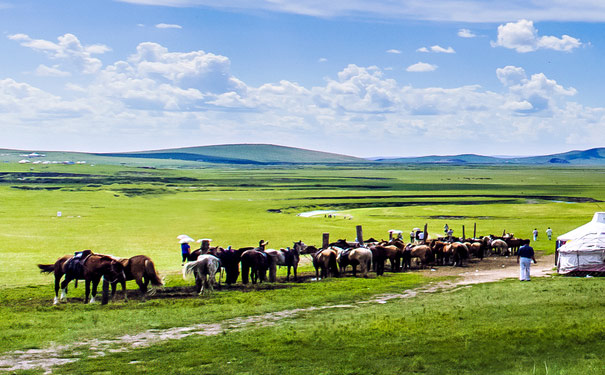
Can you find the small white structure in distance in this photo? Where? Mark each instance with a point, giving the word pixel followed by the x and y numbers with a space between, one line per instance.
pixel 583 249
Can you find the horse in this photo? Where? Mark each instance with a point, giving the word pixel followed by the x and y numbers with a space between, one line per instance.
pixel 500 246
pixel 513 245
pixel 344 244
pixel 361 256
pixel 422 252
pixel 204 269
pixel 141 269
pixel 437 249
pixel 456 251
pixel 230 260
pixel 92 268
pixel 325 260
pixel 475 248
pixel 284 257
pixel 255 264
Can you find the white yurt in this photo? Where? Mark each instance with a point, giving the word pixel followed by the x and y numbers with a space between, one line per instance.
pixel 583 249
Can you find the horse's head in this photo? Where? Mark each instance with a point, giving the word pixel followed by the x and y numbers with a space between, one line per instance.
pixel 114 271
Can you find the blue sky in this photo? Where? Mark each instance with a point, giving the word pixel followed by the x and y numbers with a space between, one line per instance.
pixel 364 78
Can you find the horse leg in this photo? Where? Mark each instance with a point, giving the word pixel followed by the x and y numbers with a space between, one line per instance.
pixel 95 284
pixel 354 270
pixel 198 284
pixel 295 267
pixel 57 282
pixel 86 290
pixel 288 275
pixel 64 288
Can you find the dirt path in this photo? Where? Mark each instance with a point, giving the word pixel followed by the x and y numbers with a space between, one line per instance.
pixel 488 270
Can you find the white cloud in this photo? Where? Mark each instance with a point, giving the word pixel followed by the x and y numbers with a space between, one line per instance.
pixel 394 51
pixel 168 26
pixel 523 37
pixel 472 11
pixel 54 71
pixel 436 49
pixel 322 60
pixel 510 75
pixel 421 67
pixel 466 33
pixel 157 98
pixel 536 94
pixel 68 49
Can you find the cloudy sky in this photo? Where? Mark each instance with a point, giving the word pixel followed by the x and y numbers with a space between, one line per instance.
pixel 359 77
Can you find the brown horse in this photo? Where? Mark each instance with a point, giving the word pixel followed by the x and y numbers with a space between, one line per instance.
pixel 91 268
pixel 422 252
pixel 457 252
pixel 141 269
pixel 361 256
pixel 325 260
pixel 255 264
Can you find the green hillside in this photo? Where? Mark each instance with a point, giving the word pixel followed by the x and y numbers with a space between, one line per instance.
pixel 241 154
pixel 246 154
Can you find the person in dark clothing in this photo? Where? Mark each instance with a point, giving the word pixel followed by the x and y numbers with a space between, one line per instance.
pixel 185 251
pixel 524 259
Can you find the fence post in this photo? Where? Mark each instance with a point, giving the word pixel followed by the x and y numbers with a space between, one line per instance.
pixel 475 231
pixel 359 234
pixel 463 234
pixel 325 240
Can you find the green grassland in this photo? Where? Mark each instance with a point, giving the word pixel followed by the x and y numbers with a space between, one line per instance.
pixel 127 211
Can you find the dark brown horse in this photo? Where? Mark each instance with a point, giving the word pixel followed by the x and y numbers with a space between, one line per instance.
pixel 255 264
pixel 141 269
pixel 90 268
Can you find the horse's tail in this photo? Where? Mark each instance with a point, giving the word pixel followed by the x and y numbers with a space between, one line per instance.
pixel 333 264
pixel 245 270
pixel 188 268
pixel 152 274
pixel 46 268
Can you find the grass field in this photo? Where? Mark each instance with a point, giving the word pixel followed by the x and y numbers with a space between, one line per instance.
pixel 128 211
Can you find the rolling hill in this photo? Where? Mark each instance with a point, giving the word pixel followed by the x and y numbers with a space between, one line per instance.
pixel 594 156
pixel 235 154
pixel 266 154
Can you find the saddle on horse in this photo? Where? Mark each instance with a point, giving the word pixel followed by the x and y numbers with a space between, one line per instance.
pixel 75 265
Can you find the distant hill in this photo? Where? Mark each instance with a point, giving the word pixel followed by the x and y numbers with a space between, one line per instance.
pixel 265 154
pixel 594 156
pixel 244 154
pixel 235 154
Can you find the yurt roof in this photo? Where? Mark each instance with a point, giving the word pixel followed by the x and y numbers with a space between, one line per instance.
pixel 595 227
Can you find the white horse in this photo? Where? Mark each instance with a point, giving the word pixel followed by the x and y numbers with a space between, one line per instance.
pixel 204 269
pixel 501 246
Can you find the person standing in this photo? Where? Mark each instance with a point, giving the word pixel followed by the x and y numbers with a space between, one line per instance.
pixel 445 228
pixel 524 258
pixel 535 234
pixel 185 251
pixel 549 233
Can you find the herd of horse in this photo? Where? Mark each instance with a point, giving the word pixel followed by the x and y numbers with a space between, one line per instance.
pixel 255 262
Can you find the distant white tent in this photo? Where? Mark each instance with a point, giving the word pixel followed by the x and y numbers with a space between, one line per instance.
pixel 583 248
